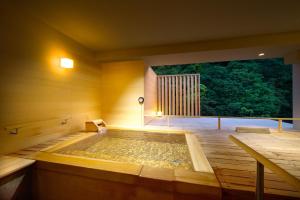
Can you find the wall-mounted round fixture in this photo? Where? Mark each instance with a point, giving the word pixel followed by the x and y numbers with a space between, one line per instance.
pixel 141 100
pixel 261 54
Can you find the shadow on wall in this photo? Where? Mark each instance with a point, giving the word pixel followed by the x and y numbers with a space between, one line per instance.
pixel 122 83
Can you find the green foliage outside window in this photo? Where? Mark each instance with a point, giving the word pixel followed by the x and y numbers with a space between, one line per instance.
pixel 250 88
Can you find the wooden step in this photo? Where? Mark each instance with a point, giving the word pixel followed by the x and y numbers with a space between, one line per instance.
pixel 252 130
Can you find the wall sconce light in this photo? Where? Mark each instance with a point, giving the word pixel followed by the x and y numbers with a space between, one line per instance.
pixel 66 63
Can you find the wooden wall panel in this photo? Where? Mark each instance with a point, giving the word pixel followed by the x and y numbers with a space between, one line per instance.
pixel 180 94
pixel 151 94
pixel 41 99
pixel 122 83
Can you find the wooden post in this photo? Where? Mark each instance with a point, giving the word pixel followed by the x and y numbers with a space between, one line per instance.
pixel 180 95
pixel 159 103
pixel 196 95
pixel 173 96
pixel 219 123
pixel 279 125
pixel 259 181
pixel 166 96
pixel 184 96
pixel 199 95
pixel 177 95
pixel 188 94
pixel 170 95
pixel 192 92
pixel 163 105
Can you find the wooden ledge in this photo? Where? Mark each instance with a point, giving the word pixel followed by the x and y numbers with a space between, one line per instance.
pixel 197 183
pixel 199 159
pixel 10 165
pixel 63 144
pixel 154 130
pixel 252 130
pixel 93 168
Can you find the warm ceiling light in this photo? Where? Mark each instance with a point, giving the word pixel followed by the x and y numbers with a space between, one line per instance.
pixel 261 54
pixel 66 63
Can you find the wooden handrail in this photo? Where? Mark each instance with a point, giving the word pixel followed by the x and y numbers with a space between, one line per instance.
pixel 280 128
pixel 15 128
pixel 271 118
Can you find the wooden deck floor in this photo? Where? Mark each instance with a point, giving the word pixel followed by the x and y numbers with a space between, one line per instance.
pixel 236 170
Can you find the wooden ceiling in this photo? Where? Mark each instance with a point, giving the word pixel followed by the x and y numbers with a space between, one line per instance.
pixel 103 25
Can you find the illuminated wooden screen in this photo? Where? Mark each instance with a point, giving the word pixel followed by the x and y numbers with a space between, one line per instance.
pixel 179 94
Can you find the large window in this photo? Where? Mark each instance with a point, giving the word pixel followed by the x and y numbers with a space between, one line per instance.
pixel 258 88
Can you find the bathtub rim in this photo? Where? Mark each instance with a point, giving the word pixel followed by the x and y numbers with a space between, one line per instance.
pixel 128 172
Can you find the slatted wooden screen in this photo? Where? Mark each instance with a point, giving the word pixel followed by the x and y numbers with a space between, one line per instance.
pixel 179 94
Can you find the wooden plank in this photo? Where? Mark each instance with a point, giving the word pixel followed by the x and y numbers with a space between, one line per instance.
pixel 180 96
pixel 268 163
pixel 210 187
pixel 166 96
pixel 232 165
pixel 199 159
pixel 252 130
pixel 173 96
pixel 199 108
pixel 188 96
pixel 170 95
pixel 10 165
pixel 177 96
pixel 192 96
pixel 62 144
pixel 105 165
pixel 196 95
pixel 159 94
pixel 163 95
pixel 184 96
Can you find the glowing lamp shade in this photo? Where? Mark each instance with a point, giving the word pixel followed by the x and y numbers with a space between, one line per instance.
pixel 66 63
